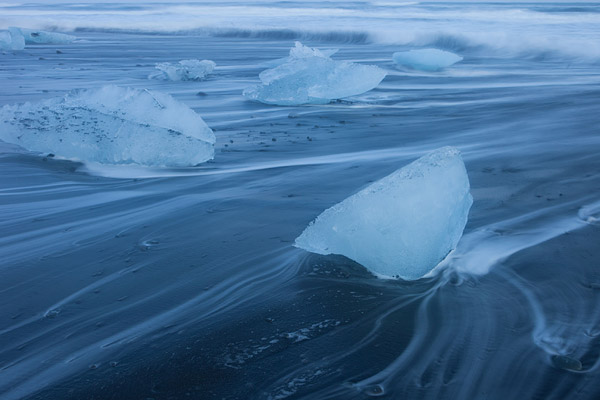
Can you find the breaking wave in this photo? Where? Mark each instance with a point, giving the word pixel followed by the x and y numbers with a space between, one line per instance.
pixel 538 33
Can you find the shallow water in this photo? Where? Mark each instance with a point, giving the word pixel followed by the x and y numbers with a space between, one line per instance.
pixel 122 282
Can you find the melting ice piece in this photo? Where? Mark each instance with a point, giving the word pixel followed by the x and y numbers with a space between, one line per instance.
pixel 111 125
pixel 17 38
pixel 32 36
pixel 310 76
pixel 12 39
pixel 184 70
pixel 426 59
pixel 402 225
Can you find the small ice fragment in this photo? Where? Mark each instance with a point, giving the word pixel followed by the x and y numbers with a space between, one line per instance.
pixel 12 39
pixel 184 70
pixel 310 76
pixel 403 225
pixel 42 37
pixel 111 125
pixel 426 59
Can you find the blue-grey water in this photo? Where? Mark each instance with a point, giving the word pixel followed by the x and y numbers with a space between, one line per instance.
pixel 138 283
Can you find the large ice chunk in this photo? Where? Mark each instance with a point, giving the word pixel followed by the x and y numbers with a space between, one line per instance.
pixel 184 70
pixel 16 38
pixel 402 225
pixel 12 39
pixel 310 76
pixel 426 59
pixel 111 125
pixel 32 36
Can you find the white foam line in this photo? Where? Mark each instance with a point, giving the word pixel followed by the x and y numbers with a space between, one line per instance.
pixel 479 251
pixel 122 171
pixel 244 288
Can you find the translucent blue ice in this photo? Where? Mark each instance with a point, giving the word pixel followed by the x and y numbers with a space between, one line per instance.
pixel 426 59
pixel 111 125
pixel 12 39
pixel 402 225
pixel 309 76
pixel 16 38
pixel 32 36
pixel 184 70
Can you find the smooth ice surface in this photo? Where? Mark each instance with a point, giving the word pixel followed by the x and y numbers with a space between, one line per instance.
pixel 184 70
pixel 32 36
pixel 111 125
pixel 310 76
pixel 12 39
pixel 426 59
pixel 402 225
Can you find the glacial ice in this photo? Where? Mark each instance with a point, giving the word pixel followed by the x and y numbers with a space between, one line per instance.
pixel 12 39
pixel 404 224
pixel 310 76
pixel 184 70
pixel 16 38
pixel 426 59
pixel 32 36
pixel 111 125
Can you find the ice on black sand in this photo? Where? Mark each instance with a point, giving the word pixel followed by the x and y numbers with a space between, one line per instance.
pixel 402 225
pixel 309 76
pixel 111 125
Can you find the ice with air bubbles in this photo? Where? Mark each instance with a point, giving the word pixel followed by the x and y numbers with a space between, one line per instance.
pixel 111 125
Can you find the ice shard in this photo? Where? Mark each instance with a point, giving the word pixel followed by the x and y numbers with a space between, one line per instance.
pixel 309 76
pixel 404 224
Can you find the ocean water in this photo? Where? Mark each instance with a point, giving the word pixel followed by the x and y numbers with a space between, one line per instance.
pixel 157 283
